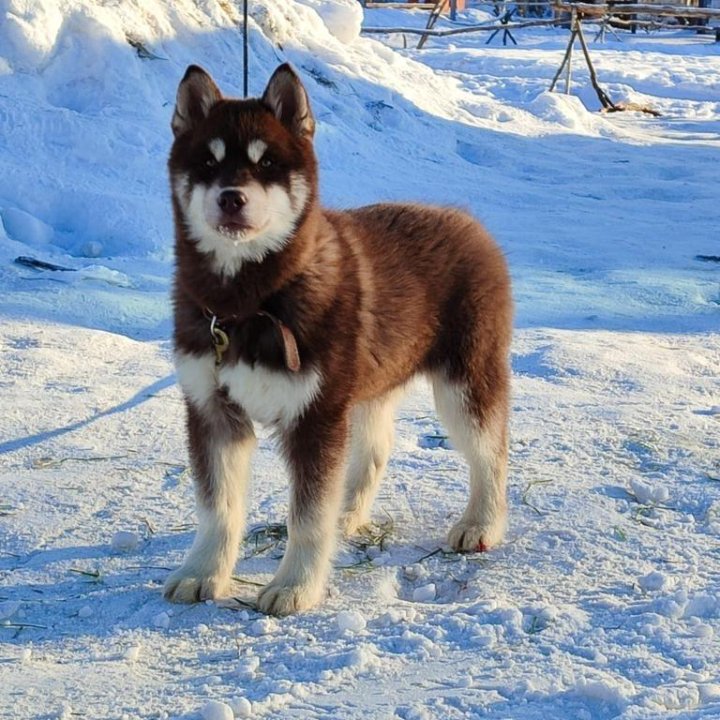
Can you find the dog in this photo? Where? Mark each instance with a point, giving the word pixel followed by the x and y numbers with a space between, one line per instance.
pixel 312 321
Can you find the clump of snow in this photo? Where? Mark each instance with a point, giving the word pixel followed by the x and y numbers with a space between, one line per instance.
pixel 343 18
pixel 242 708
pixel 362 657
pixel 565 110
pixel 702 630
pixel 91 249
pixel 161 620
pixel 264 626
pixel 124 541
pixel 484 636
pixel 85 612
pixel 247 667
pixel 350 620
pixel 416 571
pixel 25 655
pixel 678 697
pixel 395 616
pixel 119 279
pixel 606 690
pixel 216 710
pixel 702 605
pixel 425 593
pixel 649 494
pixel 653 581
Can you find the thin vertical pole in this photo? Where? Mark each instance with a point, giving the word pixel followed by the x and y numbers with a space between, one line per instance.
pixel 573 25
pixel 245 48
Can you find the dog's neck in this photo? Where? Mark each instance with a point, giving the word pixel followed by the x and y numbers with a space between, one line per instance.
pixel 242 294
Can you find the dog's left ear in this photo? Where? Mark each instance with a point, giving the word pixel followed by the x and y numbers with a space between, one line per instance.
pixel 196 95
pixel 286 97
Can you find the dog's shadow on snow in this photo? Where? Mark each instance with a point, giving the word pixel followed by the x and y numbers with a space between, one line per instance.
pixel 140 397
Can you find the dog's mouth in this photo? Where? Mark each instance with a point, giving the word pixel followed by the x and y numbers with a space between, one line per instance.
pixel 238 230
pixel 233 227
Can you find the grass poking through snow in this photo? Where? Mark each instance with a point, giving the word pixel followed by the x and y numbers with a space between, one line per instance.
pixel 527 490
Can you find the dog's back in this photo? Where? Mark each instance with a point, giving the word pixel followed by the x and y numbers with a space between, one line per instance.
pixel 433 291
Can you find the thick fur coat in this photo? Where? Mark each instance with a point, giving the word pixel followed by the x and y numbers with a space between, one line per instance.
pixel 312 321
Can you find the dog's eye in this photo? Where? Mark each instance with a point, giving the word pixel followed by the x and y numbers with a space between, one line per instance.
pixel 211 162
pixel 266 162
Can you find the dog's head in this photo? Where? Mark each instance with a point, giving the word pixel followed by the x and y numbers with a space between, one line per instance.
pixel 242 172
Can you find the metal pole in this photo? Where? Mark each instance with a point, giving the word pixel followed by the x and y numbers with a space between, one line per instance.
pixel 245 48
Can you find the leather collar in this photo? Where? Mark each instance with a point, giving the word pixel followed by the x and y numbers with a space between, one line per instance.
pixel 221 341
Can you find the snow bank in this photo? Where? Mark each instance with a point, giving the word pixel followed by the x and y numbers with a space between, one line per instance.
pixel 343 18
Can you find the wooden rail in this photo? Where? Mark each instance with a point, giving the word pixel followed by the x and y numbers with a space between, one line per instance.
pixel 638 9
pixel 400 5
pixel 458 31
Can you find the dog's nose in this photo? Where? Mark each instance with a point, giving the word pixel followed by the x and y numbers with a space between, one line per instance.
pixel 232 201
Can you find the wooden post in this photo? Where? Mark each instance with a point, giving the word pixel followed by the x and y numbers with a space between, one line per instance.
pixel 573 25
pixel 568 51
pixel 605 101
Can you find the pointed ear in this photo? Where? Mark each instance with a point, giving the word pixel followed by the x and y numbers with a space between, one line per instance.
pixel 286 97
pixel 196 94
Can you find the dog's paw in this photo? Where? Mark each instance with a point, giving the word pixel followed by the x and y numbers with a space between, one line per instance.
pixel 468 536
pixel 352 523
pixel 278 599
pixel 186 586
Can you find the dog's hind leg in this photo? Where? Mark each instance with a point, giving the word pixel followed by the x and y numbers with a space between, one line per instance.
pixel 220 451
pixel 478 429
pixel 371 442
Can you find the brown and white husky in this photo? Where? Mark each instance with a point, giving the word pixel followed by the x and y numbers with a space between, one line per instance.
pixel 311 321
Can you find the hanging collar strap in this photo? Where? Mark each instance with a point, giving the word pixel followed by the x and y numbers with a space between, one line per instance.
pixel 221 340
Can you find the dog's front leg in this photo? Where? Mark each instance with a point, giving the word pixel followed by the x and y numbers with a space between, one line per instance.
pixel 315 450
pixel 220 445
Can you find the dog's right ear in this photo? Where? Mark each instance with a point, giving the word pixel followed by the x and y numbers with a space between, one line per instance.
pixel 196 94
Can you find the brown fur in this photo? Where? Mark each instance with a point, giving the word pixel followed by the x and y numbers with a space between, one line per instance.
pixel 373 296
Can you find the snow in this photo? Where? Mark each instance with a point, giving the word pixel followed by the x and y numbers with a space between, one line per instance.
pixel 351 621
pixel 124 541
pixel 216 710
pixel 424 593
pixel 242 708
pixel 604 601
pixel 653 581
pixel 162 620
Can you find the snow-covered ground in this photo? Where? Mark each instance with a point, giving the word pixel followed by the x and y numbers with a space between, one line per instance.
pixel 605 600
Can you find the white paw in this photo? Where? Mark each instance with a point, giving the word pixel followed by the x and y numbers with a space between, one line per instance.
pixel 188 586
pixel 278 599
pixel 351 523
pixel 469 536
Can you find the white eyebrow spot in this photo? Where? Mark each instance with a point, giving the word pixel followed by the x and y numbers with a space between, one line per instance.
pixel 255 150
pixel 217 148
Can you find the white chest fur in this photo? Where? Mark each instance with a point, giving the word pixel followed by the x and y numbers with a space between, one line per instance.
pixel 267 396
